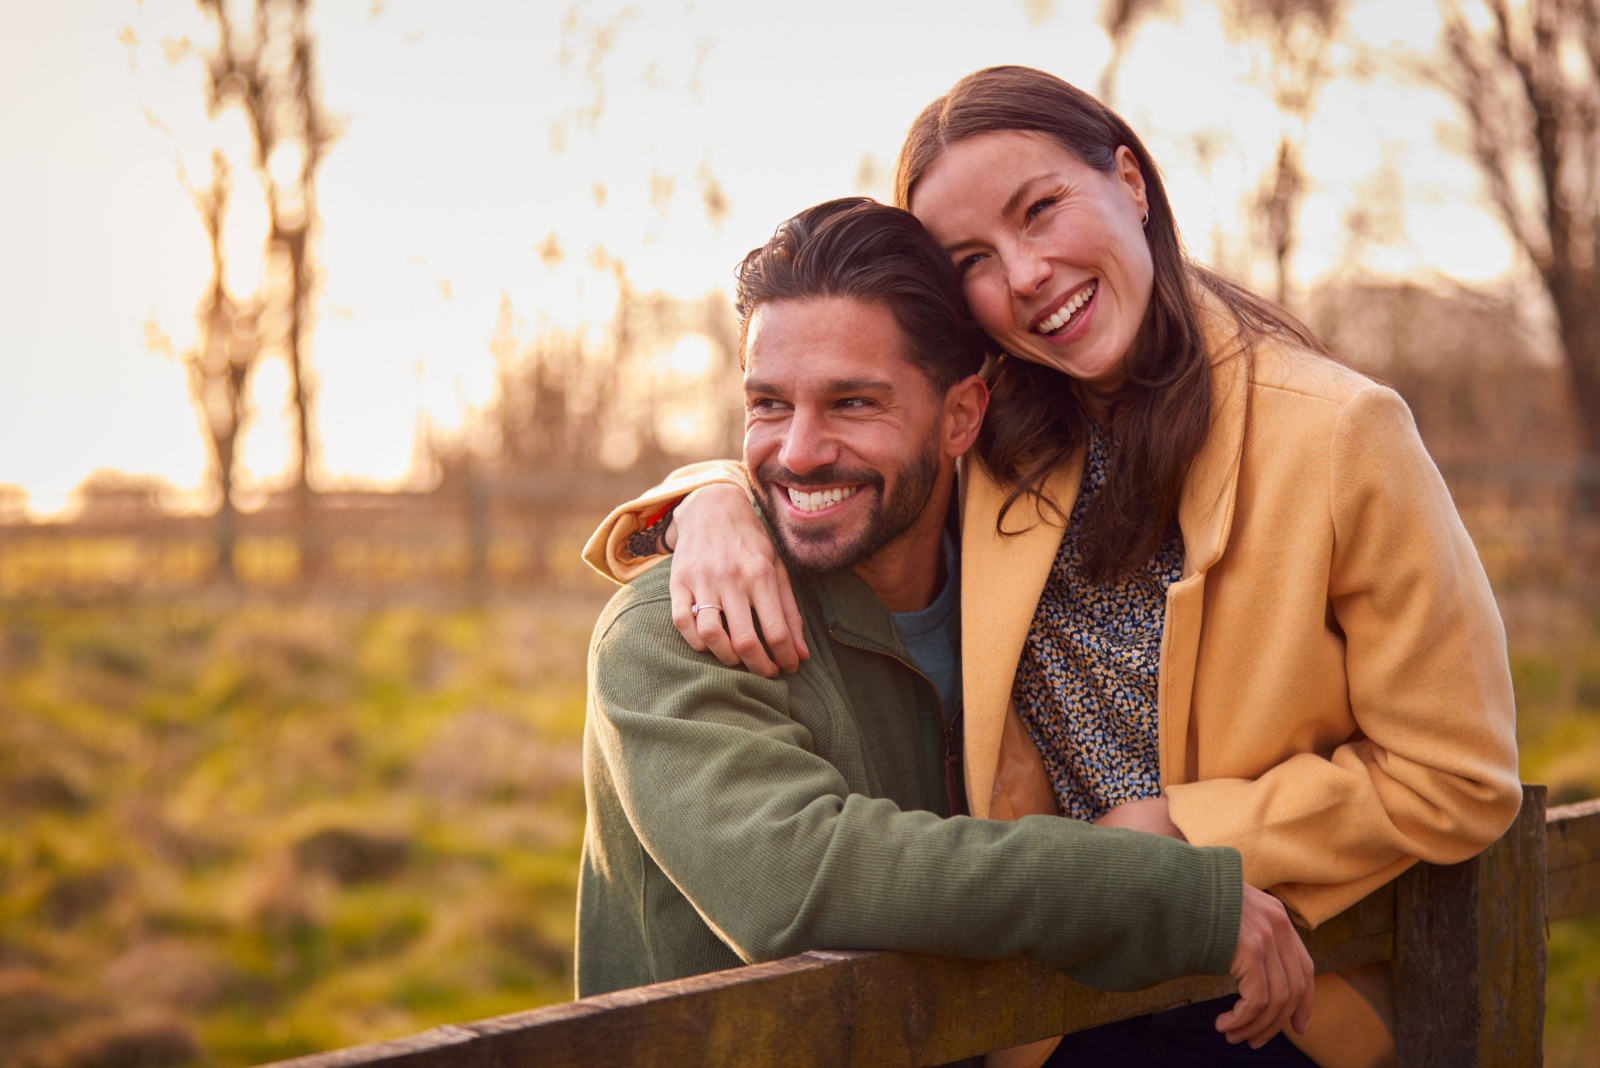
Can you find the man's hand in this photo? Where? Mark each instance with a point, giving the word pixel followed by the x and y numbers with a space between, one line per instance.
pixel 1149 814
pixel 1274 973
pixel 724 560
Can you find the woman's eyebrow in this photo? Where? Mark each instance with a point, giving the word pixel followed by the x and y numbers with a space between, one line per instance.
pixel 1015 201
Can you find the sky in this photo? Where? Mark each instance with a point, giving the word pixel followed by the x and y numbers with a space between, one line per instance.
pixel 474 137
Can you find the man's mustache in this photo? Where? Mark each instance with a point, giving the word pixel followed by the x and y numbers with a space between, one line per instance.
pixel 832 475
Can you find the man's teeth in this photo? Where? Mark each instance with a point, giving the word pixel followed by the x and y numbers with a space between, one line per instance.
pixel 1068 310
pixel 810 502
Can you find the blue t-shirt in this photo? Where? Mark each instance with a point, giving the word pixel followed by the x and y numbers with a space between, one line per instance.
pixel 926 633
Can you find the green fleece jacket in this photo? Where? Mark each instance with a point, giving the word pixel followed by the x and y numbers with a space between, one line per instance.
pixel 735 819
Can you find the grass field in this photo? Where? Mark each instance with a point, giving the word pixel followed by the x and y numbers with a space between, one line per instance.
pixel 240 832
pixel 236 831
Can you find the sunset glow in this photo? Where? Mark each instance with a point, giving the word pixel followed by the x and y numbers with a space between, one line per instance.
pixel 523 151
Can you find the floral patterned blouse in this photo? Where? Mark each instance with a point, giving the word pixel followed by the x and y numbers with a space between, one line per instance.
pixel 1086 684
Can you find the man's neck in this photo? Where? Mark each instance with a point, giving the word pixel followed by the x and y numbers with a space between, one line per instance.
pixel 909 572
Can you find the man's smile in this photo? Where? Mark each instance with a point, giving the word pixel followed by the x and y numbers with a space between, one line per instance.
pixel 818 500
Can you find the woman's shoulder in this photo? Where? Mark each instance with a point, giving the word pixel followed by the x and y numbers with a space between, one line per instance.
pixel 1284 367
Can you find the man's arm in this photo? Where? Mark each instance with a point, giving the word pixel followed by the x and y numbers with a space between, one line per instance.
pixel 766 840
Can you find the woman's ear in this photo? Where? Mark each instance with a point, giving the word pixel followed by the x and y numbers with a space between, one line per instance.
pixel 964 405
pixel 1131 176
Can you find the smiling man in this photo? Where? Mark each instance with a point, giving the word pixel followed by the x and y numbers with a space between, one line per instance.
pixel 735 818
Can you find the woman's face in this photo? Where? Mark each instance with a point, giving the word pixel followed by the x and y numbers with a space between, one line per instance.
pixel 1052 252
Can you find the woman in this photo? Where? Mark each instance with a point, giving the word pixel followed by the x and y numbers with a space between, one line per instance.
pixel 1212 585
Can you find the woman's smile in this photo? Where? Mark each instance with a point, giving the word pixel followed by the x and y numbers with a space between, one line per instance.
pixel 1073 310
pixel 1052 251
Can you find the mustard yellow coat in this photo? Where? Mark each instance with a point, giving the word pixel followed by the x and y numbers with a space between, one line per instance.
pixel 1334 695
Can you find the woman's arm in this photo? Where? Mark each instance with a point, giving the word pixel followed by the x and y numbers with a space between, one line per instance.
pixel 724 564
pixel 1431 771
pixel 607 552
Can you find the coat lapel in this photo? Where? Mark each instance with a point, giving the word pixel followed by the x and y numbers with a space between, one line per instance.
pixel 1205 515
pixel 1002 577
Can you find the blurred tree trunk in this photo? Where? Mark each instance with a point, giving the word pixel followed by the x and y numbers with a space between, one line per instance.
pixel 1298 35
pixel 266 68
pixel 219 368
pixel 1527 78
pixel 1120 18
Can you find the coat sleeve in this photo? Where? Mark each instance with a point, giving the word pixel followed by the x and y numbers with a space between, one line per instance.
pixel 727 795
pixel 606 549
pixel 1431 772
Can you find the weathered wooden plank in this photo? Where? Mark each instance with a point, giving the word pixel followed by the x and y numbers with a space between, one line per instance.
pixel 1574 860
pixel 1361 934
pixel 827 1009
pixel 1469 952
pixel 1470 984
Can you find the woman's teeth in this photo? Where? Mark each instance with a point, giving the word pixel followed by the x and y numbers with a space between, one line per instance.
pixel 811 502
pixel 1068 310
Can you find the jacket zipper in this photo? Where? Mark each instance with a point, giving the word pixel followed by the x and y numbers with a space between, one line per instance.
pixel 955 782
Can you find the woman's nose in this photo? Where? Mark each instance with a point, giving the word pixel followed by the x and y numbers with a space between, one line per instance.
pixel 1027 269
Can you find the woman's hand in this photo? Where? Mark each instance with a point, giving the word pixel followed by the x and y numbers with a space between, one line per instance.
pixel 723 557
pixel 1147 814
pixel 1273 970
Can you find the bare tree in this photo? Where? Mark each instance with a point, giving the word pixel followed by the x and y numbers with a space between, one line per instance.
pixel 1120 18
pixel 264 65
pixel 1527 79
pixel 219 366
pixel 1299 35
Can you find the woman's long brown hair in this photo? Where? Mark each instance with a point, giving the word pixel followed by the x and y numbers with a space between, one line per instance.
pixel 1159 417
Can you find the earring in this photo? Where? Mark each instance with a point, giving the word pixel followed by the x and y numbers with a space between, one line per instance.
pixel 1146 221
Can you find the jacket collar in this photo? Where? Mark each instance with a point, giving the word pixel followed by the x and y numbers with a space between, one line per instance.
pixel 1205 509
pixel 1003 576
pixel 850 607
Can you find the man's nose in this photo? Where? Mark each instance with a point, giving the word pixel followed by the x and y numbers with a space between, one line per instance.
pixel 808 444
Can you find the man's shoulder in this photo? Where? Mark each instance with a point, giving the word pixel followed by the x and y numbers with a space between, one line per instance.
pixel 644 604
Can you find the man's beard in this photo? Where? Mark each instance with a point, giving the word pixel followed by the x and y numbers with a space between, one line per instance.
pixel 825 548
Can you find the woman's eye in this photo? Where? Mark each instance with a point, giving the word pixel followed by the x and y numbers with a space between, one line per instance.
pixel 967 263
pixel 1039 207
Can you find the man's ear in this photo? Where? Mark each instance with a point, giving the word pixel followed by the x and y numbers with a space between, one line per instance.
pixel 964 405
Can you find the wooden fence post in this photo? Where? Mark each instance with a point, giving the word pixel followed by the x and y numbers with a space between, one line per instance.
pixel 1469 952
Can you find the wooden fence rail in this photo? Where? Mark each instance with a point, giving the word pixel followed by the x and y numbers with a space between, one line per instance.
pixel 1467 941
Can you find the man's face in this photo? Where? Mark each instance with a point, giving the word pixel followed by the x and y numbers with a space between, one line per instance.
pixel 841 431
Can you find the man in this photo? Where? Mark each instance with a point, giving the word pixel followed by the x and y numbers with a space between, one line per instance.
pixel 735 818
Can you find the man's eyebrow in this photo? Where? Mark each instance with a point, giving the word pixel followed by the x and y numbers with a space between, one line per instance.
pixel 835 386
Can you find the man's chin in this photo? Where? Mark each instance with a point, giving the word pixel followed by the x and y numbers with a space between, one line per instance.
pixel 818 550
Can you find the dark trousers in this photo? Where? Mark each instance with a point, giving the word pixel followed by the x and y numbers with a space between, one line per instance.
pixel 1178 1038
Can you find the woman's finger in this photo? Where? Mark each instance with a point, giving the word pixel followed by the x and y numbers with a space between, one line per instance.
pixel 682 615
pixel 791 612
pixel 778 627
pixel 708 619
pixel 739 618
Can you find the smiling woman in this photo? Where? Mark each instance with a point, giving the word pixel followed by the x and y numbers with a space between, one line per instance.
pixel 1212 585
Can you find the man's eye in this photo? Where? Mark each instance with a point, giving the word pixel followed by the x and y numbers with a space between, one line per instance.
pixel 764 404
pixel 856 403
